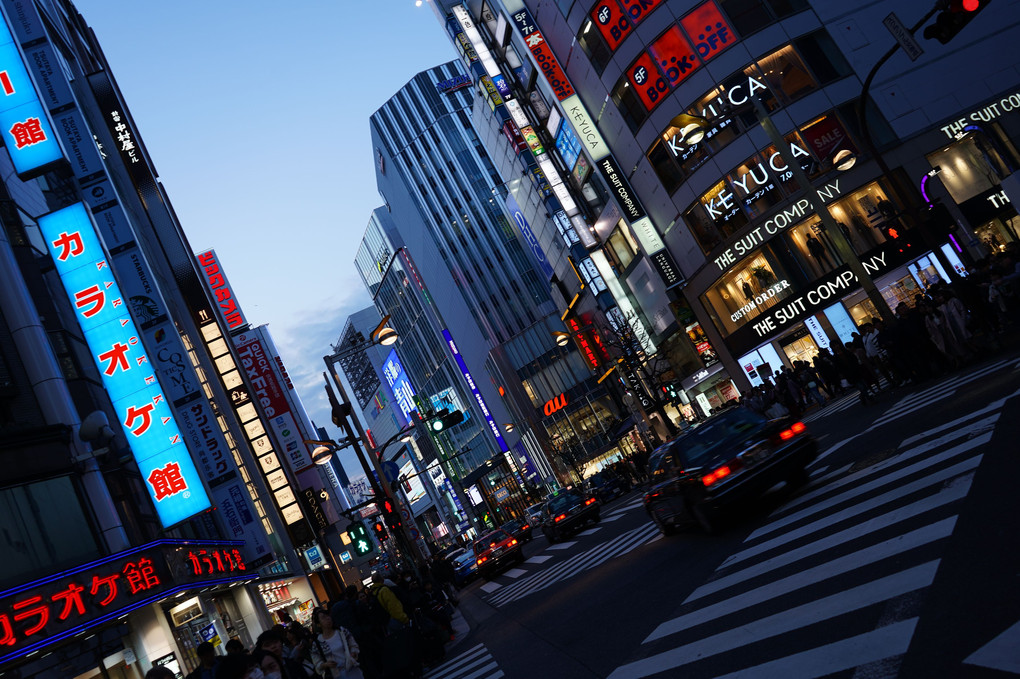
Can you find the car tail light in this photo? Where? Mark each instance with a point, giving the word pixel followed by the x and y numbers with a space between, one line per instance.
pixel 559 518
pixel 795 428
pixel 526 526
pixel 513 542
pixel 721 472
pixel 589 501
pixel 482 560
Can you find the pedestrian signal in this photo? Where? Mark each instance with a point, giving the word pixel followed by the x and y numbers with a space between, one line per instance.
pixel 358 535
pixel 380 531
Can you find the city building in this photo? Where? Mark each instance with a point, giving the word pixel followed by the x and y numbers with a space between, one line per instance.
pixel 663 95
pixel 136 521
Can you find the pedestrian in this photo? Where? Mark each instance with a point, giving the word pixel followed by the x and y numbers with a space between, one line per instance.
pixel 160 672
pixel 272 640
pixel 240 666
pixel 270 663
pixel 207 662
pixel 235 647
pixel 381 590
pixel 335 651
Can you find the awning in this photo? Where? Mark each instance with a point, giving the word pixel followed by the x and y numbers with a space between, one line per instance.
pixel 483 469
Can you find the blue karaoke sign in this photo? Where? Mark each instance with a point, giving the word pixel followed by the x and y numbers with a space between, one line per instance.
pixel 128 377
pixel 474 389
pixel 24 127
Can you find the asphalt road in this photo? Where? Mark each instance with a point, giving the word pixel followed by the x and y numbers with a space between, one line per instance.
pixel 901 558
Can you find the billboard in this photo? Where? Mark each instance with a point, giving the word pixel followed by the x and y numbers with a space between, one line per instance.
pixel 399 384
pixel 474 389
pixel 127 373
pixel 219 287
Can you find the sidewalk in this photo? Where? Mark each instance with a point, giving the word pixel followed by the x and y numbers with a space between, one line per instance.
pixel 461 629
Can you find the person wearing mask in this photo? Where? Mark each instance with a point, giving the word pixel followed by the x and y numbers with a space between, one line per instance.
pixel 270 664
pixel 207 662
pixel 334 651
pixel 273 641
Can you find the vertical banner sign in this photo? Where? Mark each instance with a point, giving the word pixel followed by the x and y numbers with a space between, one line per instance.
pixel 193 413
pixel 529 237
pixel 219 287
pixel 114 342
pixel 257 362
pixel 24 127
pixel 543 54
pixel 474 389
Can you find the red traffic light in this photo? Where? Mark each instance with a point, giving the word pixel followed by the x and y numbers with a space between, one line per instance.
pixel 967 5
pixel 387 507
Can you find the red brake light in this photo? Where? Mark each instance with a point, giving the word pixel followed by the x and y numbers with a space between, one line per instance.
pixel 560 518
pixel 589 501
pixel 482 560
pixel 798 427
pixel 795 428
pixel 714 476
pixel 526 526
pixel 513 542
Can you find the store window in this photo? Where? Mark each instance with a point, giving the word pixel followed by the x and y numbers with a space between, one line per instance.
pixel 674 56
pixel 629 103
pixel 971 166
pixel 715 216
pixel 754 186
pixel 759 283
pixel 785 72
pixel 823 57
pixel 623 247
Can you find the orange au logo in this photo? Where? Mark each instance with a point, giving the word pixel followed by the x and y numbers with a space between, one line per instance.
pixel 552 405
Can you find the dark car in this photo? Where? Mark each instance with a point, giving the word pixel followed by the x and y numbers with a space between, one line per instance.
pixel 568 511
pixel 496 551
pixel 607 485
pixel 464 567
pixel 732 457
pixel 519 529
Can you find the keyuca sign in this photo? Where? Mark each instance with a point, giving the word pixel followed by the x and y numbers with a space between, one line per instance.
pixel 555 404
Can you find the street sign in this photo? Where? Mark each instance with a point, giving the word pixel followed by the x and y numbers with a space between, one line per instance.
pixel 414 533
pixel 501 494
pixel 405 513
pixel 903 36
pixel 390 471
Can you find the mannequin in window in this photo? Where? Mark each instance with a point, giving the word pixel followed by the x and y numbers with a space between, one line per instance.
pixel 863 230
pixel 818 251
pixel 746 288
pixel 846 234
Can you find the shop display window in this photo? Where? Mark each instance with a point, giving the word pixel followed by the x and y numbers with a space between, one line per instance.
pixel 785 72
pixel 969 166
pixel 811 241
pixel 623 246
pixel 803 348
pixel 996 233
pixel 758 284
pixel 716 216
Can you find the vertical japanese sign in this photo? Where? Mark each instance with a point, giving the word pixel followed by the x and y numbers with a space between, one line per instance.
pixel 474 389
pixel 399 384
pixel 128 376
pixel 219 287
pixel 173 364
pixel 24 127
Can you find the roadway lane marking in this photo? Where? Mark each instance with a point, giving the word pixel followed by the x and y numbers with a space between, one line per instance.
pixel 879 644
pixel 811 613
pixel 490 587
pixel 476 663
pixel 540 558
pixel 590 531
pixel 562 545
pixel 955 424
pixel 609 519
pixel 952 494
pixel 1000 653
pixel 881 466
pixel 878 482
pixel 830 569
pixel 515 573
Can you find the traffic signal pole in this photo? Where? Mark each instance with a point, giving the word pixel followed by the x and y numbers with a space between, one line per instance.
pixel 343 416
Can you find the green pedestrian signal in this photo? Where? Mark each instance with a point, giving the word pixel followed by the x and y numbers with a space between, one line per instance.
pixel 358 535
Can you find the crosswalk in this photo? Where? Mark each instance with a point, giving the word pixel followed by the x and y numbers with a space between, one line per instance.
pixel 476 663
pixel 916 400
pixel 834 581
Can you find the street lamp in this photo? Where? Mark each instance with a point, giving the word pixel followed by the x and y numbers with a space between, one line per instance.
pixel 562 338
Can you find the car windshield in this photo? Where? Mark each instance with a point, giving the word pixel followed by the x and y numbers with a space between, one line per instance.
pixel 727 428
pixel 511 526
pixel 564 501
pixel 489 541
pixel 464 558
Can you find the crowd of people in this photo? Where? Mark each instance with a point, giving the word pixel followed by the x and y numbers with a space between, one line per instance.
pixel 948 326
pixel 388 630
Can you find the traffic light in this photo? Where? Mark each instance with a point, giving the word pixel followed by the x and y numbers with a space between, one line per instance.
pixel 338 411
pixel 358 535
pixel 380 531
pixel 390 514
pixel 447 420
pixel 951 20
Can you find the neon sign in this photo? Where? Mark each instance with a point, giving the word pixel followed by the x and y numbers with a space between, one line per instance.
pixel 128 377
pixel 47 610
pixel 555 404
pixel 24 127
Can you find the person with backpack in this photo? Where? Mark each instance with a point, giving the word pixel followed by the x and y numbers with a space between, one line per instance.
pixel 382 594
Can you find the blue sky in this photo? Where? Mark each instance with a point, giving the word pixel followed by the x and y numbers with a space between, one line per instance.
pixel 256 117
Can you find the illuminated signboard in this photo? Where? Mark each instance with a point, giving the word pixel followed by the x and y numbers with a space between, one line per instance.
pixel 529 237
pixel 24 127
pixel 400 384
pixel 568 145
pixel 216 280
pixel 47 610
pixel 543 54
pixel 555 404
pixel 454 83
pixel 708 30
pixel 114 342
pixel 474 389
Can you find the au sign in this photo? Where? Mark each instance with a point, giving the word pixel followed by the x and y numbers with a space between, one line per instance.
pixel 554 404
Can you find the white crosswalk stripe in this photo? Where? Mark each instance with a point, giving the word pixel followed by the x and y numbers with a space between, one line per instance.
pixel 947 387
pixel 859 543
pixel 589 558
pixel 833 407
pixel 476 663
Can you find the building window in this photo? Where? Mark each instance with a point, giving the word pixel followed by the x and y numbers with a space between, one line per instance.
pixel 629 104
pixel 823 57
